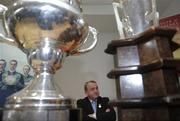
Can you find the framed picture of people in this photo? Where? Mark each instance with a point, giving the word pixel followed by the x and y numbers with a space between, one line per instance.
pixel 15 73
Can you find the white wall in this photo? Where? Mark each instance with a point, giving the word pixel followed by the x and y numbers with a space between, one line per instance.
pixel 91 66
pixel 9 52
pixel 172 9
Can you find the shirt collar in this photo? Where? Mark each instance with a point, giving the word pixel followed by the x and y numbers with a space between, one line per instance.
pixel 92 100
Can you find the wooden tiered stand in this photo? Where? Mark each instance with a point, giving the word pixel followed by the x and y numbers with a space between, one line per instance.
pixel 146 76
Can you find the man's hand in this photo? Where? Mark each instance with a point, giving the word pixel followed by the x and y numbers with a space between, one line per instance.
pixel 107 110
pixel 92 115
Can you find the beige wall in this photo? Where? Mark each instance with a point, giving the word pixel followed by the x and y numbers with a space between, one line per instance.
pixel 177 53
pixel 91 66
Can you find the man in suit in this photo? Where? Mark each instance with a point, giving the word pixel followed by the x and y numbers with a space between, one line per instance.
pixel 2 67
pixel 2 70
pixel 95 107
pixel 12 81
pixel 27 77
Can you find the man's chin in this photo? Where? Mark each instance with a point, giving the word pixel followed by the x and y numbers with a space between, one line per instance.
pixel 96 97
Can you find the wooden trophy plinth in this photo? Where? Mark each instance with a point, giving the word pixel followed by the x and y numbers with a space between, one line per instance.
pixel 146 77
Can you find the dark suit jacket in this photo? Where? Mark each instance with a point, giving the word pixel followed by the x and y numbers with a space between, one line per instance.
pixel 101 114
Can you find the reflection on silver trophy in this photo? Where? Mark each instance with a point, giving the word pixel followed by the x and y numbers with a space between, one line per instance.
pixel 135 16
pixel 47 31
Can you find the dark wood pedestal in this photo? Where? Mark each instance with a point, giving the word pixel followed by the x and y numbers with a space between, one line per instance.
pixel 146 77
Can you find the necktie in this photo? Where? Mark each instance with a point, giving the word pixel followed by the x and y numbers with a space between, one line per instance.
pixel 94 105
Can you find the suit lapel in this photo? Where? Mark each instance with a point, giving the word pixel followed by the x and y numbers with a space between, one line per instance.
pixel 99 105
pixel 89 106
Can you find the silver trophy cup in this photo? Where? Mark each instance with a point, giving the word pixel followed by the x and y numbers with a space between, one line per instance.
pixel 135 16
pixel 47 31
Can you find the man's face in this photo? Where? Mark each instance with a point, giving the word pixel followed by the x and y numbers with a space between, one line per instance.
pixel 92 91
pixel 2 65
pixel 26 70
pixel 13 66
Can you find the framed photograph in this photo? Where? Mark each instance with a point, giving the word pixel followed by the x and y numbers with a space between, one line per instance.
pixel 15 73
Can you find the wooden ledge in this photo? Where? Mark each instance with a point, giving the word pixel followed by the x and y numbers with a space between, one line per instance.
pixel 144 37
pixel 151 102
pixel 162 63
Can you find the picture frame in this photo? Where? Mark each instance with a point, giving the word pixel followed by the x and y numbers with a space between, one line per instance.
pixel 15 72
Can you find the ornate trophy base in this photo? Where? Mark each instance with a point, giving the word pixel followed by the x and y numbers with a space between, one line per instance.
pixel 42 100
pixel 42 115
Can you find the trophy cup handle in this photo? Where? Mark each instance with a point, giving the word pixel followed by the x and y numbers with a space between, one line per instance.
pixel 2 8
pixel 4 37
pixel 92 31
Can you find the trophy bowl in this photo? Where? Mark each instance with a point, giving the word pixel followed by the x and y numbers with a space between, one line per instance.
pixel 47 31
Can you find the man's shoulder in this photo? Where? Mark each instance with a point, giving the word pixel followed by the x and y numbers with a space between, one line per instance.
pixel 79 100
pixel 82 100
pixel 106 99
pixel 5 73
pixel 18 75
